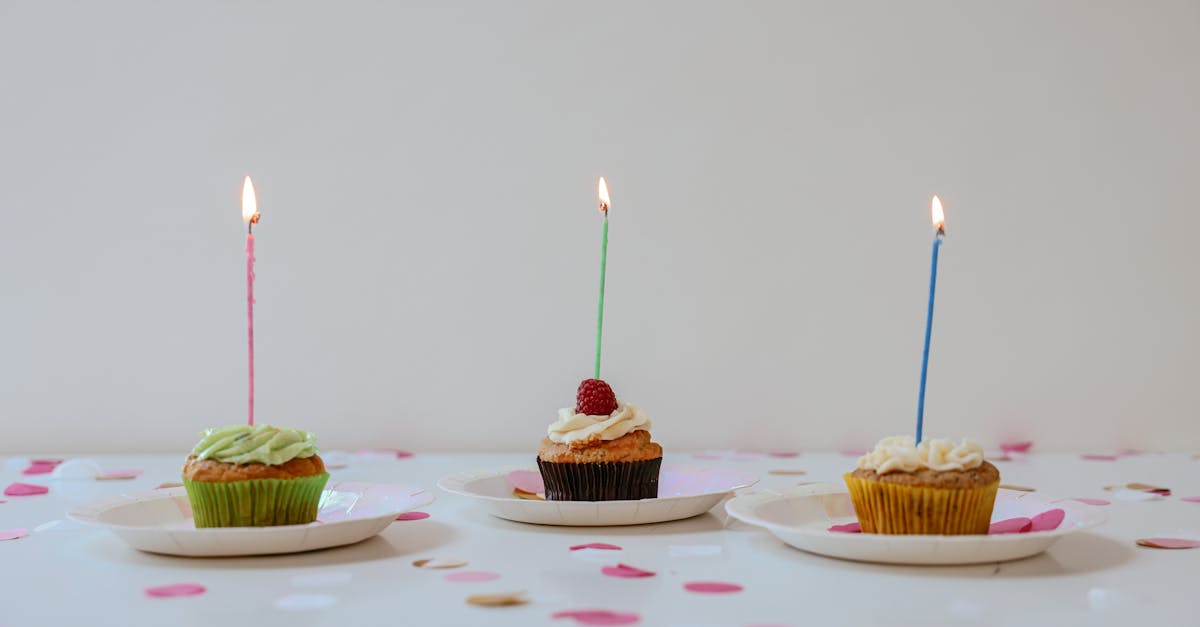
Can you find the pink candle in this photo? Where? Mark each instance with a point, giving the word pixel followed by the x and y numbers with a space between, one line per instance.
pixel 250 215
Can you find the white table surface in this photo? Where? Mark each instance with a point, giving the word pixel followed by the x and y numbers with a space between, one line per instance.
pixel 74 575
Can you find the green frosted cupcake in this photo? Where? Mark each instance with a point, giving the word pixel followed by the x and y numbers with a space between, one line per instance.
pixel 254 476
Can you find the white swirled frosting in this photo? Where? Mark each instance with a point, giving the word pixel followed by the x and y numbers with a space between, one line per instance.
pixel 574 427
pixel 902 454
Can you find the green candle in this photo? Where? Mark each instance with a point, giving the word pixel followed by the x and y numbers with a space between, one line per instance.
pixel 603 192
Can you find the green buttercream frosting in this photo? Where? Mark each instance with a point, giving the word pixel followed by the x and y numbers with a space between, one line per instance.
pixel 260 444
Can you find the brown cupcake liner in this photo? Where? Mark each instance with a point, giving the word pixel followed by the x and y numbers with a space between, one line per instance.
pixel 891 508
pixel 601 481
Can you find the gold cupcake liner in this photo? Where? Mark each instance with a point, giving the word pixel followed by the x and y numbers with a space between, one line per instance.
pixel 891 508
pixel 255 502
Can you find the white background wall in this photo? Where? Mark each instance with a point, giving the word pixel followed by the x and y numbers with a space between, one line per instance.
pixel 428 250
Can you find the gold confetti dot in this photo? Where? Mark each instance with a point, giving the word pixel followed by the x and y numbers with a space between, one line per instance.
pixel 501 599
pixel 1018 488
pixel 787 471
pixel 436 563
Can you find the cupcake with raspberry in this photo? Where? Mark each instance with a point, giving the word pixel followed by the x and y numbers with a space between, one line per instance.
pixel 254 476
pixel 599 450
pixel 938 487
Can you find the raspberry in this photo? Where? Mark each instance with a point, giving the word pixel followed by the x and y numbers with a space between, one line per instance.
pixel 595 398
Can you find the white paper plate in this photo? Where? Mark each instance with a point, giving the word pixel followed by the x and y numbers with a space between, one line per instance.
pixel 160 521
pixel 802 516
pixel 684 491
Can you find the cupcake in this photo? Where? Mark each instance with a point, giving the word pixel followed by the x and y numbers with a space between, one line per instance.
pixel 600 450
pixel 254 476
pixel 937 487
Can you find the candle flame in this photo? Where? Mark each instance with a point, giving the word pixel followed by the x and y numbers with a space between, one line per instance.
pixel 249 202
pixel 603 193
pixel 939 216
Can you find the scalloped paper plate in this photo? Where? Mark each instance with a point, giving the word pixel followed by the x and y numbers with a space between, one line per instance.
pixel 160 521
pixel 684 491
pixel 801 517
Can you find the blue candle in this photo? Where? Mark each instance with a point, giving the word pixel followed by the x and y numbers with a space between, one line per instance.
pixel 939 223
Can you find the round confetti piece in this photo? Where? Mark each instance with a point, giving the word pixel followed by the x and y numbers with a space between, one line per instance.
pixel 412 516
pixel 1048 520
pixel 317 580
pixel 118 475
pixel 1010 525
pixel 471 576
pixel 1018 488
pixel 502 599
pixel 599 617
pixel 1016 447
pixel 846 528
pixel 25 489
pixel 176 590
pixel 47 526
pixel 527 481
pixel 787 471
pixel 1169 543
pixel 435 563
pixel 604 546
pixel 1190 499
pixel 13 534
pixel 783 453
pixel 625 571
pixel 305 602
pixel 712 587
pixel 1087 501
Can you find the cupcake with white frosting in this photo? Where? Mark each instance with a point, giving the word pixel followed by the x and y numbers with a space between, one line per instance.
pixel 600 450
pixel 937 487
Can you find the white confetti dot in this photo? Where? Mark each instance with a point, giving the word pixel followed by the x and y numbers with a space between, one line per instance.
pixel 305 602
pixel 693 550
pixel 317 580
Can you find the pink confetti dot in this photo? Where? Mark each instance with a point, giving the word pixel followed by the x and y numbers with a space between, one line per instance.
pixel 604 546
pixel 712 587
pixel 846 528
pixel 13 534
pixel 1189 499
pixel 176 590
pixel 528 481
pixel 628 572
pixel 124 473
pixel 1010 525
pixel 598 617
pixel 853 452
pixel 1048 520
pixel 471 576
pixel 25 489
pixel 412 516
pixel 41 466
pixel 1016 447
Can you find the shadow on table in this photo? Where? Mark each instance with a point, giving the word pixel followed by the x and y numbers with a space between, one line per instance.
pixel 396 541
pixel 1077 553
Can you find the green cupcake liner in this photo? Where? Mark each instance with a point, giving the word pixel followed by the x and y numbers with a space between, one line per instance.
pixel 255 502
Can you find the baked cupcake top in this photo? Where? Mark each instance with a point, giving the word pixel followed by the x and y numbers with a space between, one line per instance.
pixel 258 444
pixel 597 415
pixel 903 454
